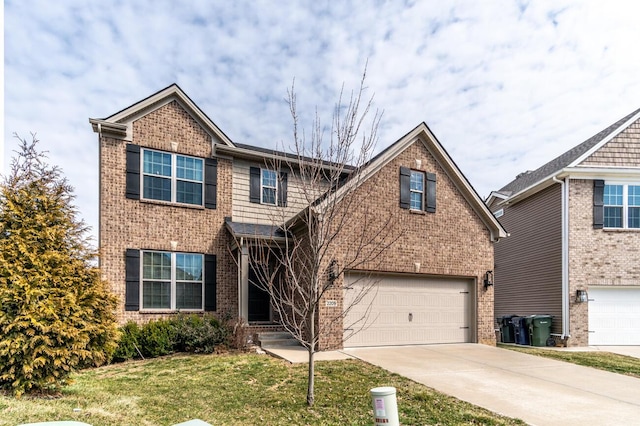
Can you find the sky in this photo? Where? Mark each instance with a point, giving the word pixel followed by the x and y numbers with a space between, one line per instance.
pixel 505 86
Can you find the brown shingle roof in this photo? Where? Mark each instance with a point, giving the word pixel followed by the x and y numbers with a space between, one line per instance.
pixel 527 179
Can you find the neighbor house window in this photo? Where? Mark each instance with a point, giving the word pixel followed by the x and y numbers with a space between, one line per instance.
pixel 416 186
pixel 269 184
pixel 172 280
pixel 633 206
pixel 172 177
pixel 621 206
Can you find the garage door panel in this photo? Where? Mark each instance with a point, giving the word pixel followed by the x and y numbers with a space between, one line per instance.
pixel 614 315
pixel 410 310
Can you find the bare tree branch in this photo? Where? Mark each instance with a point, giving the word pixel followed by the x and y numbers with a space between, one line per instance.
pixel 327 183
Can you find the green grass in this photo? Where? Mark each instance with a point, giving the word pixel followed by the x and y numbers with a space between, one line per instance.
pixel 234 389
pixel 607 361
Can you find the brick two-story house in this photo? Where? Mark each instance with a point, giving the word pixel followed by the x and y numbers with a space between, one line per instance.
pixel 574 240
pixel 178 198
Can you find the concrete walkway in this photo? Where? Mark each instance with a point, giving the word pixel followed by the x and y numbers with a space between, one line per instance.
pixel 298 354
pixel 538 390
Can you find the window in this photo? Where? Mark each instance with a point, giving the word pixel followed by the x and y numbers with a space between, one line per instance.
pixel 416 187
pixel 172 177
pixel 621 206
pixel 613 206
pixel 498 213
pixel 269 185
pixel 172 280
pixel 417 190
pixel 633 202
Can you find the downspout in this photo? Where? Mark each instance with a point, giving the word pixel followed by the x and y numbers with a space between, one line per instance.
pixel 564 186
pixel 99 192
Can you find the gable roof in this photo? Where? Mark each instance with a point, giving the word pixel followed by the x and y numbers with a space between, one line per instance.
pixel 571 158
pixel 421 134
pixel 119 124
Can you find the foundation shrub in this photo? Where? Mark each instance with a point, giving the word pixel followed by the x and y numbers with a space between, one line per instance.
pixel 198 334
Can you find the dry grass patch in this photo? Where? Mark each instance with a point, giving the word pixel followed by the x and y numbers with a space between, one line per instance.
pixel 245 389
pixel 607 361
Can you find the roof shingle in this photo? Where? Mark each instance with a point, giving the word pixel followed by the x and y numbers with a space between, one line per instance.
pixel 527 179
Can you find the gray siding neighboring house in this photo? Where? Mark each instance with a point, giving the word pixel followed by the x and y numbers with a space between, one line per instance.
pixel 573 227
pixel 528 264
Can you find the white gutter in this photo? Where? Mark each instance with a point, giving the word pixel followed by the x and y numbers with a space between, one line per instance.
pixel 564 185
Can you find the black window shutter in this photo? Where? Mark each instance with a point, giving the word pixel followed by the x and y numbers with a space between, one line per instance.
pixel 405 190
pixel 132 289
pixel 209 282
pixel 598 204
pixel 210 182
pixel 431 193
pixel 133 171
pixel 282 190
pixel 254 184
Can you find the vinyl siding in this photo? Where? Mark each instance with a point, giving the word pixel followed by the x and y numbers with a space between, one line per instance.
pixel 622 151
pixel 528 264
pixel 247 212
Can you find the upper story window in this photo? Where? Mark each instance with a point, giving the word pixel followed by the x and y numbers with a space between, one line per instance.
pixel 621 206
pixel 172 280
pixel 416 187
pixel 172 177
pixel 417 190
pixel 269 187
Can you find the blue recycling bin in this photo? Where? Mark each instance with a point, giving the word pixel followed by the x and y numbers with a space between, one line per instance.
pixel 521 330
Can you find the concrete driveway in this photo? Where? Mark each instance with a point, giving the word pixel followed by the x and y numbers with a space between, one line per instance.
pixel 633 351
pixel 537 390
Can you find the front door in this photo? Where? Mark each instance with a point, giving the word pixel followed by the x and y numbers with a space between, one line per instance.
pixel 259 300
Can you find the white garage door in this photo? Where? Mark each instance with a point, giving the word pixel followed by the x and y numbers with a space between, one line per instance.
pixel 401 310
pixel 614 316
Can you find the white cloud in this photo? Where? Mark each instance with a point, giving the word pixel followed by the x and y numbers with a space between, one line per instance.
pixel 504 86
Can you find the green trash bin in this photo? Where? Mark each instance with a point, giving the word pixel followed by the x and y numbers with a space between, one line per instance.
pixel 539 329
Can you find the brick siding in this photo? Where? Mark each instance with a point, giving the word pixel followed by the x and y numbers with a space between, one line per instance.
pixel 451 242
pixel 596 257
pixel 126 223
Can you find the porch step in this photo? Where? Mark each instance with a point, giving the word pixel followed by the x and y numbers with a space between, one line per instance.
pixel 274 339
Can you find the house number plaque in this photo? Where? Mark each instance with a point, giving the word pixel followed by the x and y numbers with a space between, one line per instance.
pixel 331 303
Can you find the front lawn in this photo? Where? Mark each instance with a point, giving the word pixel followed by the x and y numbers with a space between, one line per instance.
pixel 232 389
pixel 607 361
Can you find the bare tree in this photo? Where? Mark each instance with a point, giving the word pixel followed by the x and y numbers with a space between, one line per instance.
pixel 306 267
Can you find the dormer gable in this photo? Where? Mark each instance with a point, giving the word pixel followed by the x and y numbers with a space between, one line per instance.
pixel 119 125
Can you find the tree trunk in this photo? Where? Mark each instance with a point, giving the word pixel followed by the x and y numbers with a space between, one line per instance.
pixel 312 351
pixel 310 381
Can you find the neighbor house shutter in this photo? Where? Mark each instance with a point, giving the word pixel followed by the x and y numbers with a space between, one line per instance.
pixel 209 282
pixel 598 204
pixel 133 171
pixel 431 193
pixel 405 189
pixel 132 281
pixel 210 182
pixel 254 184
pixel 282 189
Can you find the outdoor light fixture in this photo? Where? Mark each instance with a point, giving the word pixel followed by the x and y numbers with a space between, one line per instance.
pixel 488 279
pixel 581 296
pixel 333 270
